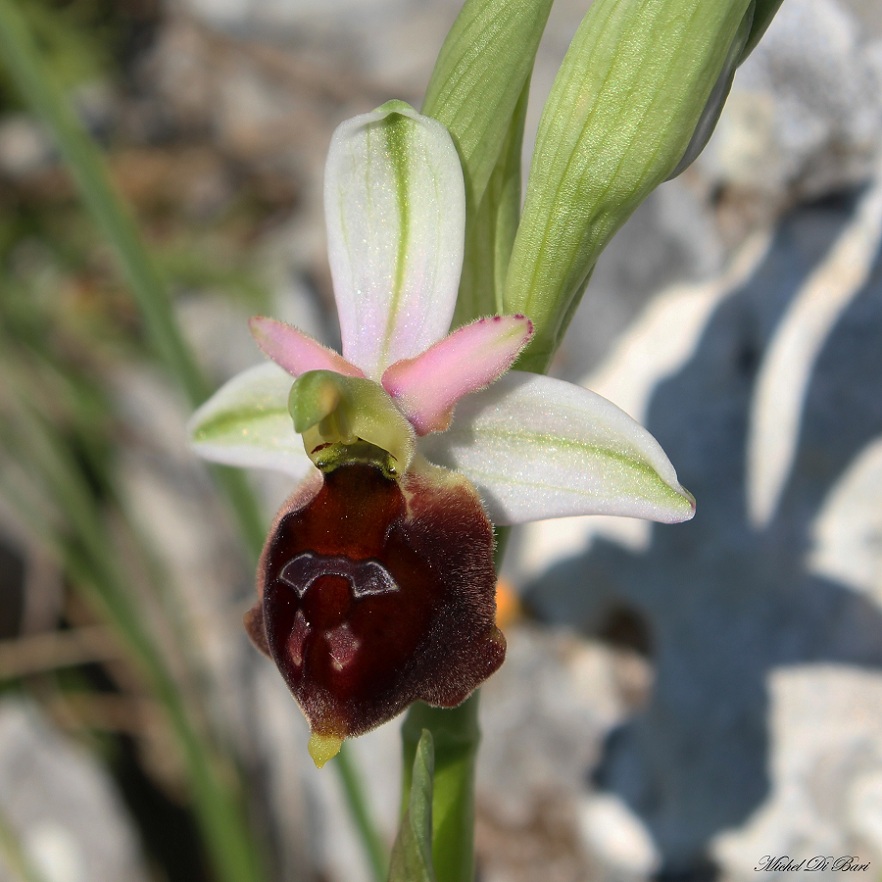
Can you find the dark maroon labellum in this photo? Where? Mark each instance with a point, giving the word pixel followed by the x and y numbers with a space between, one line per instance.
pixel 377 593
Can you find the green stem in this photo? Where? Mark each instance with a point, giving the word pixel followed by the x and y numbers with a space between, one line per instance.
pixel 456 735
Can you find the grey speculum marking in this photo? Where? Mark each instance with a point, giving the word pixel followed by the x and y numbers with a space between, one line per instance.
pixel 366 577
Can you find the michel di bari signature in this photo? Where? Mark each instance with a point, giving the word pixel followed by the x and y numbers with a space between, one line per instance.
pixel 844 863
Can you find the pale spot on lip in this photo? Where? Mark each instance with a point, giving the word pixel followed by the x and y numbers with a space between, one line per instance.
pixel 297 638
pixel 343 646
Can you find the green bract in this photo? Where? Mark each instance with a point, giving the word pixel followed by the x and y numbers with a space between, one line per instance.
pixel 478 79
pixel 622 112
pixel 412 853
pixel 479 91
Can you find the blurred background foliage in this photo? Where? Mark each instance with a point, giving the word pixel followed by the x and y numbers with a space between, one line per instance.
pixel 80 40
pixel 93 626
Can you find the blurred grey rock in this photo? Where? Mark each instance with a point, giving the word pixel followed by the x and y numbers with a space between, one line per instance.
pixel 404 37
pixel 279 14
pixel 804 115
pixel 804 118
pixel 207 587
pixel 61 804
pixel 27 147
pixel 826 762
pixel 24 146
pixel 544 716
pixel 753 628
pixel 671 238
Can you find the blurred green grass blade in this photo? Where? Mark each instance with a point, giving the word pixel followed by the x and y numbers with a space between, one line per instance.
pixel 23 62
pixel 90 561
pixel 412 853
pixel 75 406
pixel 372 844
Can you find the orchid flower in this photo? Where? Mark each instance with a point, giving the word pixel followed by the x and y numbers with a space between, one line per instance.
pixel 376 586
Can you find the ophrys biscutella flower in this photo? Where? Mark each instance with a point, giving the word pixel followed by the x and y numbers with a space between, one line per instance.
pixel 376 585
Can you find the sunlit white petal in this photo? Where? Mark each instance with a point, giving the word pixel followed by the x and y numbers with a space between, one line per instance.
pixel 536 447
pixel 395 210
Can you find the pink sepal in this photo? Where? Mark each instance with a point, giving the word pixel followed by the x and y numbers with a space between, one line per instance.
pixel 426 388
pixel 295 351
